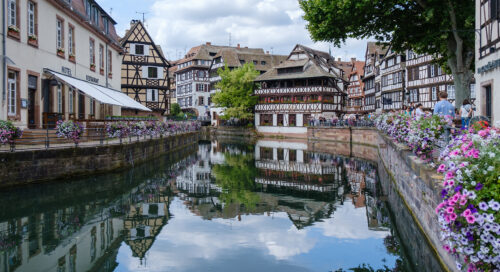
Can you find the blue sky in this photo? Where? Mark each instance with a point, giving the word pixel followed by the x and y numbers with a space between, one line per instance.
pixel 275 25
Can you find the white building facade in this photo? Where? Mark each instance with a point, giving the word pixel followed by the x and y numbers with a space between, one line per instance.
pixel 488 59
pixel 48 44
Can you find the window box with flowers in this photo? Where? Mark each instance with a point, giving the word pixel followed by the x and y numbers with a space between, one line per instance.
pixel 72 58
pixel 60 52
pixel 33 40
pixel 13 31
pixel 92 67
pixel 110 75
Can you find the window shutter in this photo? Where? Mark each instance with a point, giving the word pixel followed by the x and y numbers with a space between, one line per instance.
pixel 160 72
pixel 132 49
pixel 146 50
pixel 145 71
pixel 494 9
pixel 148 95
pixel 428 71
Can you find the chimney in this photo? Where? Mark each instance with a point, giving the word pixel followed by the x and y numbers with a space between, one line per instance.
pixel 238 46
pixel 339 59
pixel 209 43
pixel 353 59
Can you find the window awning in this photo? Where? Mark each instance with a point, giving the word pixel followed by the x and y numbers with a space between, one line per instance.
pixel 100 93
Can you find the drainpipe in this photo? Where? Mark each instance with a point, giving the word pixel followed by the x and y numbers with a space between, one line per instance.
pixel 4 54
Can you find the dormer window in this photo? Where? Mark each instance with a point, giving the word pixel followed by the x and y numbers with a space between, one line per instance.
pixel 88 8
pixel 106 25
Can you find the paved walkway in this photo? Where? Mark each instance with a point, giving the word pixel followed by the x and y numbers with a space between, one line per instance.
pixel 42 146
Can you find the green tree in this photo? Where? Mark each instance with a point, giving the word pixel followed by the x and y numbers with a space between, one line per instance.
pixel 175 109
pixel 443 28
pixel 236 92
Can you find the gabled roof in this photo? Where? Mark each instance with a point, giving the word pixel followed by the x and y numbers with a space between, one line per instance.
pixel 136 24
pixel 375 48
pixel 314 63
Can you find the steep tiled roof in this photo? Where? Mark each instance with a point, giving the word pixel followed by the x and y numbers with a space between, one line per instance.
pixel 314 64
pixel 77 8
pixel 234 57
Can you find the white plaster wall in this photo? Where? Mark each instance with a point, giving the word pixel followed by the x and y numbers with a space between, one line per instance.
pixel 282 130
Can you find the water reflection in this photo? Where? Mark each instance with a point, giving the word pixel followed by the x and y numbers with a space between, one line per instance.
pixel 217 206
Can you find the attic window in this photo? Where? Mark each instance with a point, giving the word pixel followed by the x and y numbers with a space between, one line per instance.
pixel 263 62
pixel 242 61
pixel 254 62
pixel 139 49
pixel 212 54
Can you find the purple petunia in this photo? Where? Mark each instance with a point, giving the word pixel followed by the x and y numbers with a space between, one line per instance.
pixel 479 186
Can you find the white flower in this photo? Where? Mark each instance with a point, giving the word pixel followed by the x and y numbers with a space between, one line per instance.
pixel 490 168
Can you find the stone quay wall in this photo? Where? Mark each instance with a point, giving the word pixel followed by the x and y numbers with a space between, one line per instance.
pixel 414 181
pixel 24 167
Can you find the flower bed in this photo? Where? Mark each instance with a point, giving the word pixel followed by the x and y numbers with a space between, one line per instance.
pixel 69 130
pixel 9 133
pixel 148 128
pixel 468 214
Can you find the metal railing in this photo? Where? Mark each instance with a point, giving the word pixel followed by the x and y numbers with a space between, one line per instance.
pixel 339 123
pixel 93 135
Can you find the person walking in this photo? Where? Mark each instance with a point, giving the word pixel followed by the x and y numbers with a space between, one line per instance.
pixel 419 111
pixel 444 107
pixel 466 113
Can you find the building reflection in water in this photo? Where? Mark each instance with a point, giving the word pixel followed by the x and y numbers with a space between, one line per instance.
pixel 222 180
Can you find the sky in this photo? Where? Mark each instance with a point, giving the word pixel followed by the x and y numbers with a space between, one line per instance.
pixel 274 25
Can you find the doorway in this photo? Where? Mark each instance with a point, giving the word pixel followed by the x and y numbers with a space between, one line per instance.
pixel 32 86
pixel 488 100
pixel 81 106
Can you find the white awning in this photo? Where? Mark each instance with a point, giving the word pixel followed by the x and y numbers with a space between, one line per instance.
pixel 100 93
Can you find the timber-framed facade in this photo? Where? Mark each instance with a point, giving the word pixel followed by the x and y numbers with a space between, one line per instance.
pixel 307 86
pixel 392 70
pixel 145 70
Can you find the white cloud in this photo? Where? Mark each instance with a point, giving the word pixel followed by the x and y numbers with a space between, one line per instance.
pixel 270 24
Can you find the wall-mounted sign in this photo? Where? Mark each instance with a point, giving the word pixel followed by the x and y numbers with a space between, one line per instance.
pixel 66 70
pixel 24 103
pixel 92 79
pixel 488 67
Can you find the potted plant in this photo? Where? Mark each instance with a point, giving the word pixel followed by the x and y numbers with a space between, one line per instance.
pixel 13 30
pixel 92 66
pixel 32 37
pixel 71 57
pixel 69 130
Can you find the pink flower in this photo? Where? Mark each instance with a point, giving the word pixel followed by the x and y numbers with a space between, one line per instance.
pixel 484 133
pixel 454 153
pixel 463 201
pixel 447 218
pixel 445 183
pixel 451 182
pixel 456 197
pixel 470 219
pixel 453 216
pixel 447 248
pixel 466 213
pixel 449 175
pixel 441 168
pixel 450 210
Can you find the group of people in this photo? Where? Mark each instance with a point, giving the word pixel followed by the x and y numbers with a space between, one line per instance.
pixel 443 108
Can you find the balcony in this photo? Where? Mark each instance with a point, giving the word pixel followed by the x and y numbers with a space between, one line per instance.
pixel 296 90
pixel 298 107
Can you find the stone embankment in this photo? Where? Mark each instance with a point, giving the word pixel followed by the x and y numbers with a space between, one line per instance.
pixel 24 167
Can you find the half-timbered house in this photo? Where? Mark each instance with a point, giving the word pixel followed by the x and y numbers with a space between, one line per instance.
pixel 145 74
pixel 488 58
pixel 371 78
pixel 192 79
pixel 355 90
pixel 392 71
pixel 305 86
pixel 235 57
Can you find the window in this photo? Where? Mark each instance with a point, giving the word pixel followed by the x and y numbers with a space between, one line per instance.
pixel 12 93
pixel 71 97
pixel 96 15
pixel 31 19
pixel 434 94
pixel 92 53
pixel 60 34
pixel 101 58
pixel 106 25
pixel 152 72
pixel 110 63
pixel 201 101
pixel 473 91
pixel 263 62
pixel 71 41
pixel 139 49
pixel 451 92
pixel 201 74
pixel 59 98
pixel 292 120
pixel 432 72
pixel 152 95
pixel 414 95
pixel 280 120
pixel 87 8
pixel 12 17
pixel 266 119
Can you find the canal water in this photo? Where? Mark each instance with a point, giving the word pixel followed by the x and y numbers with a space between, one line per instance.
pixel 216 206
